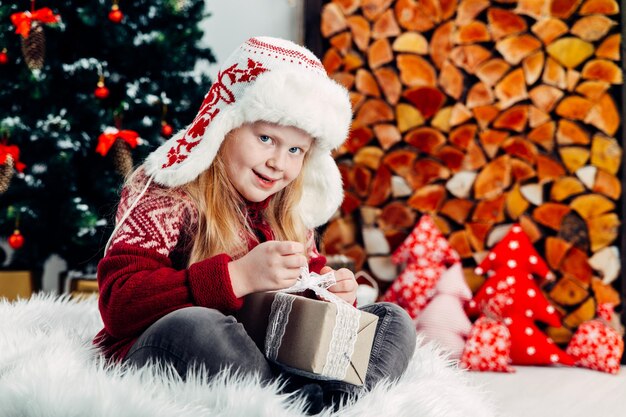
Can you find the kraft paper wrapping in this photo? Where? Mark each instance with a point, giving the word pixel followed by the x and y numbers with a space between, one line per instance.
pixel 308 333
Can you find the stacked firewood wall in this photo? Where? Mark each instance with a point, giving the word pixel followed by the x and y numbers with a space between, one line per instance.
pixel 483 114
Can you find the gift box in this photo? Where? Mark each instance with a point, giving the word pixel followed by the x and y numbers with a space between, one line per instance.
pixel 305 334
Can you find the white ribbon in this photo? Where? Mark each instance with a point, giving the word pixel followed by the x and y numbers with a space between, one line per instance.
pixel 346 327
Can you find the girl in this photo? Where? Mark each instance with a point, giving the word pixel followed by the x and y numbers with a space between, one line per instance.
pixel 226 208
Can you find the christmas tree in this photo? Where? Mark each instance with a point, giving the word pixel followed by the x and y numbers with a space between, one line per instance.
pixel 73 75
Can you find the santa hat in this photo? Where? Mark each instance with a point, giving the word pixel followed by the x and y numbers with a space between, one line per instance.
pixel 272 80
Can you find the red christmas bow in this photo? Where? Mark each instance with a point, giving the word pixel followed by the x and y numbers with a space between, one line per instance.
pixel 14 152
pixel 110 135
pixel 24 20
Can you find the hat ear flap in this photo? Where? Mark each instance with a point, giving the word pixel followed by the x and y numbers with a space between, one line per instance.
pixel 322 190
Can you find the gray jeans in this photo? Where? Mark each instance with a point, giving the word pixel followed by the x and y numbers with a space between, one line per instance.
pixel 198 336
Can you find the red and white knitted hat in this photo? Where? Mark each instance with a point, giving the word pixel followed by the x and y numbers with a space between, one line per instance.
pixel 272 80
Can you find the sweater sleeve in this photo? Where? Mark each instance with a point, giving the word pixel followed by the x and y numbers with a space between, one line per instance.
pixel 138 284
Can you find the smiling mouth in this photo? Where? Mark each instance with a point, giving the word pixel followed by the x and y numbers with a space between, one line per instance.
pixel 263 178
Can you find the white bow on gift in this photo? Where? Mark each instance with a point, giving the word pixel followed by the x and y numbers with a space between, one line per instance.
pixel 346 325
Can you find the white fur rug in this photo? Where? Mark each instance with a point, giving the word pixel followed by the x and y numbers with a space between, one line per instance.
pixel 48 368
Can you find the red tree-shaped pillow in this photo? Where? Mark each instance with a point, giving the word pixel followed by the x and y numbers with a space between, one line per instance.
pixel 511 294
pixel 427 254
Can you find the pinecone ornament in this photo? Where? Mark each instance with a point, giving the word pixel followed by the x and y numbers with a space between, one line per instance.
pixel 6 173
pixel 34 47
pixel 122 157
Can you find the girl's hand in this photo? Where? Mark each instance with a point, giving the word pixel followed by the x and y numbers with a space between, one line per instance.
pixel 271 265
pixel 346 285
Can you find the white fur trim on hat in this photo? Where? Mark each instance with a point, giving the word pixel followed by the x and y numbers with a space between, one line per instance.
pixel 276 81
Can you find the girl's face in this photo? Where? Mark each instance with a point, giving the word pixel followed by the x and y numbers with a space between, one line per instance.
pixel 262 158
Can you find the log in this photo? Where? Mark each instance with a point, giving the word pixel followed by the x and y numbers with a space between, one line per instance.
pixel 469 9
pixel 521 171
pixel 379 53
pixel 357 138
pixel 461 183
pixel 344 78
pixel 387 135
pixel 400 161
pixel 469 57
pixel 559 335
pixel 585 312
pixel 549 29
pixel 428 198
pixel 490 211
pixel 516 204
pixel 537 9
pixel 459 241
pixel 356 100
pixel 610 47
pixel 382 268
pixel 592 28
pixel 574 107
pixel 428 100
pixel 451 157
pixel 344 171
pixel 425 171
pixel 572 77
pixel 545 97
pixel 517 47
pixel 570 51
pixel 332 61
pixel 503 23
pixel 576 264
pixel 352 60
pixel 373 111
pixel 338 234
pixel 448 8
pixel 593 90
pixel 537 117
pixel 332 20
pixel 491 71
pixel 385 26
pixel 606 7
pixel 357 253
pixel 607 184
pixel 574 157
pixel 606 154
pixel 369 215
pixel 556 249
pixel 550 214
pixel 493 179
pixel 474 158
pixel 389 82
pixel 587 175
pixel 342 42
pixel 381 187
pixel 472 32
pixel 497 234
pixel 473 280
pixel 374 8
pixel 565 187
pixel 533 193
pixel 399 187
pixel 602 70
pixel 347 6
pixel 426 139
pixel 415 71
pixel 369 156
pixel 366 84
pixel 520 148
pixel 374 241
pixel 350 203
pixel 603 230
pixel 570 133
pixel 514 118
pixel 485 114
pixel 442 224
pixel 543 135
pixel 530 228
pixel 442 119
pixel 491 140
pixel 479 95
pixel 408 117
pixel 533 67
pixel 395 238
pixel 554 74
pixel 459 114
pixel 361 32
pixel 604 115
pixel 549 169
pixel 607 262
pixel 361 179
pixel 463 135
pixel 604 293
pixel 441 43
pixel 568 291
pixel 511 89
pixel 411 42
pixel 457 209
pixel 413 17
pixel 574 229
pixel 563 8
pixel 396 215
pixel 477 233
pixel 451 80
pixel 592 205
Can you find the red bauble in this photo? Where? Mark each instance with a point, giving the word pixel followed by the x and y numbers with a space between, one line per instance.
pixel 116 15
pixel 16 240
pixel 4 58
pixel 101 91
pixel 166 129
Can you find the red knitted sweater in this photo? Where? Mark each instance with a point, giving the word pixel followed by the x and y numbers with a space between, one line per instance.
pixel 143 276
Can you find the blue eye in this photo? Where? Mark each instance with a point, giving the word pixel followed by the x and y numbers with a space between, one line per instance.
pixel 265 138
pixel 295 150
